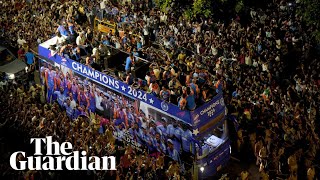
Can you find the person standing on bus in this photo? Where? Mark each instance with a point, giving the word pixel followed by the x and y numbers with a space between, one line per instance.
pixel 182 102
pixel 76 53
pixel 62 29
pixel 195 87
pixel 191 104
pixel 81 40
pixel 165 93
pixel 129 63
pixel 129 79
pixel 71 27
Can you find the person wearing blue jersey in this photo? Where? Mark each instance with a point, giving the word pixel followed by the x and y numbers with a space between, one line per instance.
pixel 187 141
pixel 147 139
pixel 83 98
pixel 92 101
pixel 57 83
pixel 139 44
pixel 172 152
pixel 137 134
pixel 30 58
pixel 191 101
pixel 76 53
pixel 74 90
pixel 122 115
pixel 130 116
pixel 67 85
pixel 71 27
pixel 129 79
pixel 195 87
pixel 49 80
pixel 165 93
pixel 177 136
pixel 170 131
pixel 62 30
pixel 135 54
pixel 119 132
pixel 60 97
pixel 153 127
pixel 106 41
pixel 118 121
pixel 80 111
pixel 69 109
pixel 129 63
pixel 162 128
pixel 159 144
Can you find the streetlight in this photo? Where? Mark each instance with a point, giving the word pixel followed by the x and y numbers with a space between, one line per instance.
pixel 201 169
pixel 201 174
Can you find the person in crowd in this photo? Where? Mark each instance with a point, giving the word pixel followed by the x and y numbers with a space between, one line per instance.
pixel 30 59
pixel 165 93
pixel 129 63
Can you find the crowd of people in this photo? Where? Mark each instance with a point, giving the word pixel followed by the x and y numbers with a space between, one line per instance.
pixel 27 112
pixel 266 66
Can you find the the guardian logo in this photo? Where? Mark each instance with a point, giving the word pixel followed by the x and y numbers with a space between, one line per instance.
pixel 62 158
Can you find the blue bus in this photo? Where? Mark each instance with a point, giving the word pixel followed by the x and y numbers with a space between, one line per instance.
pixel 197 139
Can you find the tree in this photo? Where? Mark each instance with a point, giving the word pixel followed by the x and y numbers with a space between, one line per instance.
pixel 193 9
pixel 310 13
pixel 164 5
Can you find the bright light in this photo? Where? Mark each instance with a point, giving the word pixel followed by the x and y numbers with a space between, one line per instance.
pixel 230 149
pixel 26 69
pixel 11 76
pixel 202 169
